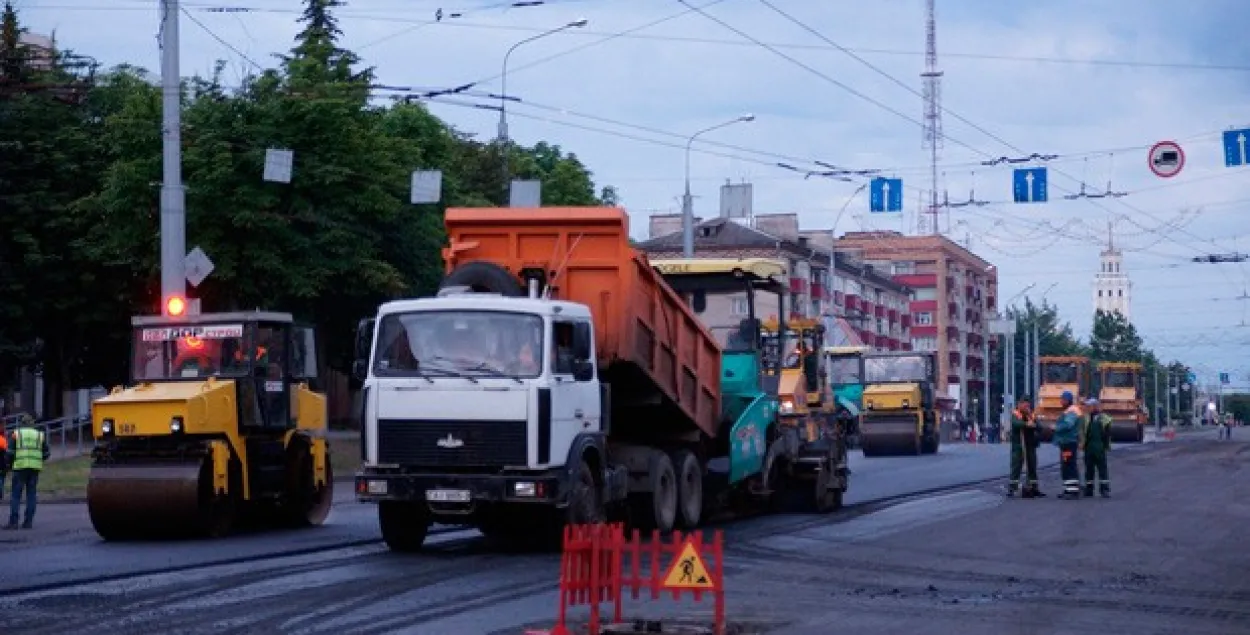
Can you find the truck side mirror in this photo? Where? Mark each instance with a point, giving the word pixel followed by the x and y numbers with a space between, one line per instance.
pixel 364 338
pixel 583 370
pixel 360 370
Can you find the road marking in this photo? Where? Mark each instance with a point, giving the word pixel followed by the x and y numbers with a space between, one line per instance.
pixel 892 520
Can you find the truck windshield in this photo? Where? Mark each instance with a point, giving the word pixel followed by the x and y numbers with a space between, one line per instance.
pixel 190 351
pixel 423 342
pixel 1059 373
pixel 895 369
pixel 1118 379
pixel 843 371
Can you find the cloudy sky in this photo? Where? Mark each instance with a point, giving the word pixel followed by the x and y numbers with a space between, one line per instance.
pixel 1093 81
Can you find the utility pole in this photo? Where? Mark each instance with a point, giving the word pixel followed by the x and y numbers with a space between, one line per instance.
pixel 173 194
pixel 1036 386
pixel 1028 363
pixel 1168 413
pixel 932 109
pixel 985 386
pixel 1155 414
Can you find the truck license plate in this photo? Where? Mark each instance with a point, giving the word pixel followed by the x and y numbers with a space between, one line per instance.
pixel 447 495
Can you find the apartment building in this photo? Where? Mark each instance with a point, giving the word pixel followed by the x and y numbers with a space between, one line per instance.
pixel 955 295
pixel 859 304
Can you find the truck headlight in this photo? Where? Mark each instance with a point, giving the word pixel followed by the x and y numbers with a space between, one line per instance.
pixel 906 403
pixel 106 427
pixel 787 407
pixel 175 425
pixel 524 489
pixel 868 404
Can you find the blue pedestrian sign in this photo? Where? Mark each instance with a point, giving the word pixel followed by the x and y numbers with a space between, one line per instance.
pixel 886 195
pixel 1029 185
pixel 1236 144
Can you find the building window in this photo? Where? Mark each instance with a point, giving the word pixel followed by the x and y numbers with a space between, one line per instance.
pixel 924 343
pixel 928 293
pixel 924 319
pixel 1120 293
pixel 738 306
pixel 1100 293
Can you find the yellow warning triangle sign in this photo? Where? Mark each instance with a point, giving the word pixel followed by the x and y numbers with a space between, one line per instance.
pixel 688 571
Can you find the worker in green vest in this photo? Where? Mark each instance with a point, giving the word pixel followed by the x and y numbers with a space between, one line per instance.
pixel 28 449
pixel 1095 442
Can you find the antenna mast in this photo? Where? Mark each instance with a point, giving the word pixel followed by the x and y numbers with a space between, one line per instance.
pixel 932 111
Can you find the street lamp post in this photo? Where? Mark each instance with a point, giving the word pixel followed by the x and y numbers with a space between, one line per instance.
pixel 503 96
pixel 1036 384
pixel 1009 357
pixel 687 203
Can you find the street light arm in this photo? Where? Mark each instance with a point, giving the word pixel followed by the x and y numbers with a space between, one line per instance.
pixel 503 76
pixel 690 140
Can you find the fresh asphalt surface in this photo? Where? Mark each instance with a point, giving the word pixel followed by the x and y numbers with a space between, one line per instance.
pixel 461 586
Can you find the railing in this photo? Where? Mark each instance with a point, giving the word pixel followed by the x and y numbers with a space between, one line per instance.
pixel 67 436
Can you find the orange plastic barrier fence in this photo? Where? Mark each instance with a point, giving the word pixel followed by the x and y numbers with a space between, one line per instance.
pixel 599 564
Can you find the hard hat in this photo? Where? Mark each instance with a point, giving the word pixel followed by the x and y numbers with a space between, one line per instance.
pixel 1067 395
pixel 1091 402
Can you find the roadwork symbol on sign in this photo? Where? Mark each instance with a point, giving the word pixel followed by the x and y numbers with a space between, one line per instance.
pixel 688 571
pixel 1166 159
pixel 1236 143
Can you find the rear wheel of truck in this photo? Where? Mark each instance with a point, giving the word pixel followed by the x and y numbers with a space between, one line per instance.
pixel 404 525
pixel 689 488
pixel 657 509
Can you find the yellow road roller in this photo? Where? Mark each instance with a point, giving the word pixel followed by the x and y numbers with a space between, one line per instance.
pixel 218 428
pixel 900 413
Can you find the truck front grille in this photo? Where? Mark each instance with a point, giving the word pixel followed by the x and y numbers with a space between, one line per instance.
pixel 426 443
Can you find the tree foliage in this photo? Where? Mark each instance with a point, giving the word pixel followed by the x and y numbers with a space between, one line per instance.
pixel 80 184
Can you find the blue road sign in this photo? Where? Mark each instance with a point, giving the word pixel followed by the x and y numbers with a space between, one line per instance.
pixel 1193 379
pixel 1029 185
pixel 886 195
pixel 1236 147
pixel 1224 378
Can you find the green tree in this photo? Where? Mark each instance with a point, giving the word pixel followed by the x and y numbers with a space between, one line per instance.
pixel 1114 338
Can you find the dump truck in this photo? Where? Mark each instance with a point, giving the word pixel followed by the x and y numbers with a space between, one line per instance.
pixel 1120 396
pixel 844 370
pixel 900 405
pixel 219 427
pixel 558 378
pixel 1059 374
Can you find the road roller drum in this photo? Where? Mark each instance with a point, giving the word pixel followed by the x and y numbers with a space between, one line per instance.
pixel 128 502
pixel 889 435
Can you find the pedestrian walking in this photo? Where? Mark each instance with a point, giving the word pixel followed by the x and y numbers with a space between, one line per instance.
pixel 1095 443
pixel 28 449
pixel 1226 428
pixel 1024 450
pixel 1067 437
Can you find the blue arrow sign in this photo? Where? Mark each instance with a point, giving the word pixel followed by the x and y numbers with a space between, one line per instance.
pixel 1223 378
pixel 1236 145
pixel 1193 379
pixel 886 195
pixel 1029 185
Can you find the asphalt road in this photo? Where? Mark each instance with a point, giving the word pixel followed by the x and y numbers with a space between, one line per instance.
pixel 775 564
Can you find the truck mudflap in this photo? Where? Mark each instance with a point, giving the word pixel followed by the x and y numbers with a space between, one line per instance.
pixel 884 434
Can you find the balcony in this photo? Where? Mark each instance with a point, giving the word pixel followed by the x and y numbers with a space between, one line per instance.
pixel 952 309
pixel 906 346
pixel 952 378
pixel 952 330
pixel 798 285
pixel 904 320
pixel 954 357
pixel 852 302
pixel 892 314
pixel 924 331
pixel 879 310
pixel 818 292
pixel 918 280
pixel 950 282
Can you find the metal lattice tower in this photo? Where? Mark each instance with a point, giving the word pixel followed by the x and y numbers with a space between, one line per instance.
pixel 932 112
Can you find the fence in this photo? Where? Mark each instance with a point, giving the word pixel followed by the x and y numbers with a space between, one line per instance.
pixel 594 569
pixel 67 436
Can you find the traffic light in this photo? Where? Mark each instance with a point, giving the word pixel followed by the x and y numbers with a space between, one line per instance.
pixel 176 306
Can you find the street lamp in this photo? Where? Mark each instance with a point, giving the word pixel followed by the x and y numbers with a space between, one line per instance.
pixel 687 205
pixel 503 96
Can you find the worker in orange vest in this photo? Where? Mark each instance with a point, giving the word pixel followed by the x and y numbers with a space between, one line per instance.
pixel 4 459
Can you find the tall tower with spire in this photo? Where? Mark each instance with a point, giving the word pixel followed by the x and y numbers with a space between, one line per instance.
pixel 1112 287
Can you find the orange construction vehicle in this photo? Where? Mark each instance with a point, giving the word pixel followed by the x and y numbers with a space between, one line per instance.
pixel 1059 375
pixel 1120 396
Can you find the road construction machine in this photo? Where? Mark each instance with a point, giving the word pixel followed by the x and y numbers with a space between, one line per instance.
pixel 1120 396
pixel 218 427
pixel 558 377
pixel 1059 374
pixel 900 407
pixel 844 370
pixel 801 385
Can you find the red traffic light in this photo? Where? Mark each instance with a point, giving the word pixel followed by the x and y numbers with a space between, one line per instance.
pixel 176 306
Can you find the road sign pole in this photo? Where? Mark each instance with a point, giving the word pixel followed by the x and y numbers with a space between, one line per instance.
pixel 173 194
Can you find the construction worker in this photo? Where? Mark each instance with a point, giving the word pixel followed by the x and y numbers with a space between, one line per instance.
pixel 1095 442
pixel 28 449
pixel 4 458
pixel 1067 437
pixel 1024 450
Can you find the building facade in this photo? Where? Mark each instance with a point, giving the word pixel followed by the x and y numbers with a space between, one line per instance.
pixel 954 298
pixel 858 303
pixel 1113 291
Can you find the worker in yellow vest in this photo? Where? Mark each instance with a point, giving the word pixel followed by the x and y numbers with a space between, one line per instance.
pixel 28 449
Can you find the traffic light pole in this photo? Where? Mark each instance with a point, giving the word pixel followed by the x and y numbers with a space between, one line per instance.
pixel 173 194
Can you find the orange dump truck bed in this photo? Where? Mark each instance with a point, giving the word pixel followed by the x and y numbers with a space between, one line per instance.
pixel 645 332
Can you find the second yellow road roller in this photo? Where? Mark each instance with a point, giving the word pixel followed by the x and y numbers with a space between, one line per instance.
pixel 218 428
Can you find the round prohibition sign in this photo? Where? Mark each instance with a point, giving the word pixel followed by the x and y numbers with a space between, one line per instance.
pixel 1166 159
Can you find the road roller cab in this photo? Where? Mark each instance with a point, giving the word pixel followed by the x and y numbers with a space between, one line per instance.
pixel 219 421
pixel 1120 397
pixel 801 382
pixel 900 409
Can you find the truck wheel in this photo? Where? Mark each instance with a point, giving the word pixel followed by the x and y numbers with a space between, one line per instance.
pixel 585 506
pixel 689 488
pixel 404 525
pixel 484 277
pixel 657 509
